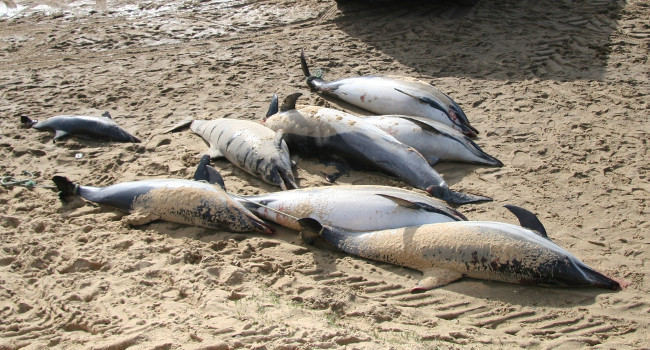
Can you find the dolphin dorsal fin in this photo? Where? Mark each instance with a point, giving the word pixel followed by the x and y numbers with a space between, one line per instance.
pixel 273 107
pixel 289 102
pixel 528 220
pixel 205 172
pixel 106 115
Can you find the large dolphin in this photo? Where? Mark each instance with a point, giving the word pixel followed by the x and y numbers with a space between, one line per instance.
pixel 446 252
pixel 351 207
pixel 250 146
pixel 434 140
pixel 90 126
pixel 176 200
pixel 313 130
pixel 393 95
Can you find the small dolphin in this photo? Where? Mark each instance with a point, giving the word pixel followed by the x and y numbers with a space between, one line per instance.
pixel 176 200
pixel 353 207
pixel 313 130
pixel 434 140
pixel 393 95
pixel 93 127
pixel 446 252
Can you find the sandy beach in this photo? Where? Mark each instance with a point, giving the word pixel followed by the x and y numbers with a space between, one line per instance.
pixel 558 90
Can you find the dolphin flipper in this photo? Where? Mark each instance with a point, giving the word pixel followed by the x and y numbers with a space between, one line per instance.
pixel 436 277
pixel 59 135
pixel 423 206
pixel 456 198
pixel 528 220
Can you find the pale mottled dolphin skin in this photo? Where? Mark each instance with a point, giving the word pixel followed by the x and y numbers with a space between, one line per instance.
pixel 89 126
pixel 446 252
pixel 176 200
pixel 313 130
pixel 351 207
pixel 393 95
pixel 434 140
pixel 251 146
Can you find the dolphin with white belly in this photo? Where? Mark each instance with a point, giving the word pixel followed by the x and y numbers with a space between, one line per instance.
pixel 393 95
pixel 314 130
pixel 351 207
pixel 89 126
pixel 250 146
pixel 434 140
pixel 176 200
pixel 446 252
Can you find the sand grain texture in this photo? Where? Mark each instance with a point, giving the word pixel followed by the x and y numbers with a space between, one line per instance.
pixel 558 89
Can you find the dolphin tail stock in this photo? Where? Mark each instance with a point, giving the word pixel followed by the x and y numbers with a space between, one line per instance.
pixel 313 81
pixel 27 122
pixel 456 198
pixel 67 189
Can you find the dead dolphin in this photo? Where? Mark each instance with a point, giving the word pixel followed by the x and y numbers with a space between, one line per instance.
pixel 353 207
pixel 486 250
pixel 313 130
pixel 393 95
pixel 176 200
pixel 434 140
pixel 90 126
pixel 250 146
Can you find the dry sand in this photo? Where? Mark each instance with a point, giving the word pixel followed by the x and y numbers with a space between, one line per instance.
pixel 558 89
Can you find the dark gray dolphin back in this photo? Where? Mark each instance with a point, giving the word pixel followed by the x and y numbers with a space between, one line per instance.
pixel 88 126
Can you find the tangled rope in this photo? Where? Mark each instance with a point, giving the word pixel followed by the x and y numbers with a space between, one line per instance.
pixel 10 181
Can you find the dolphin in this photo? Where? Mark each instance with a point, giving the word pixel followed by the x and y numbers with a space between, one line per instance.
pixel 89 126
pixel 313 130
pixel 446 252
pixel 182 201
pixel 351 207
pixel 434 140
pixel 249 145
pixel 393 95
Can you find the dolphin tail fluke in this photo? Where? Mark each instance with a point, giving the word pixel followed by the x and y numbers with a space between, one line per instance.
pixel 312 81
pixel 183 124
pixel 456 198
pixel 303 64
pixel 273 106
pixel 27 122
pixel 67 189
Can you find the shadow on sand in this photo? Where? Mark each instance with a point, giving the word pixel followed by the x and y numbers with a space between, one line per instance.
pixel 497 40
